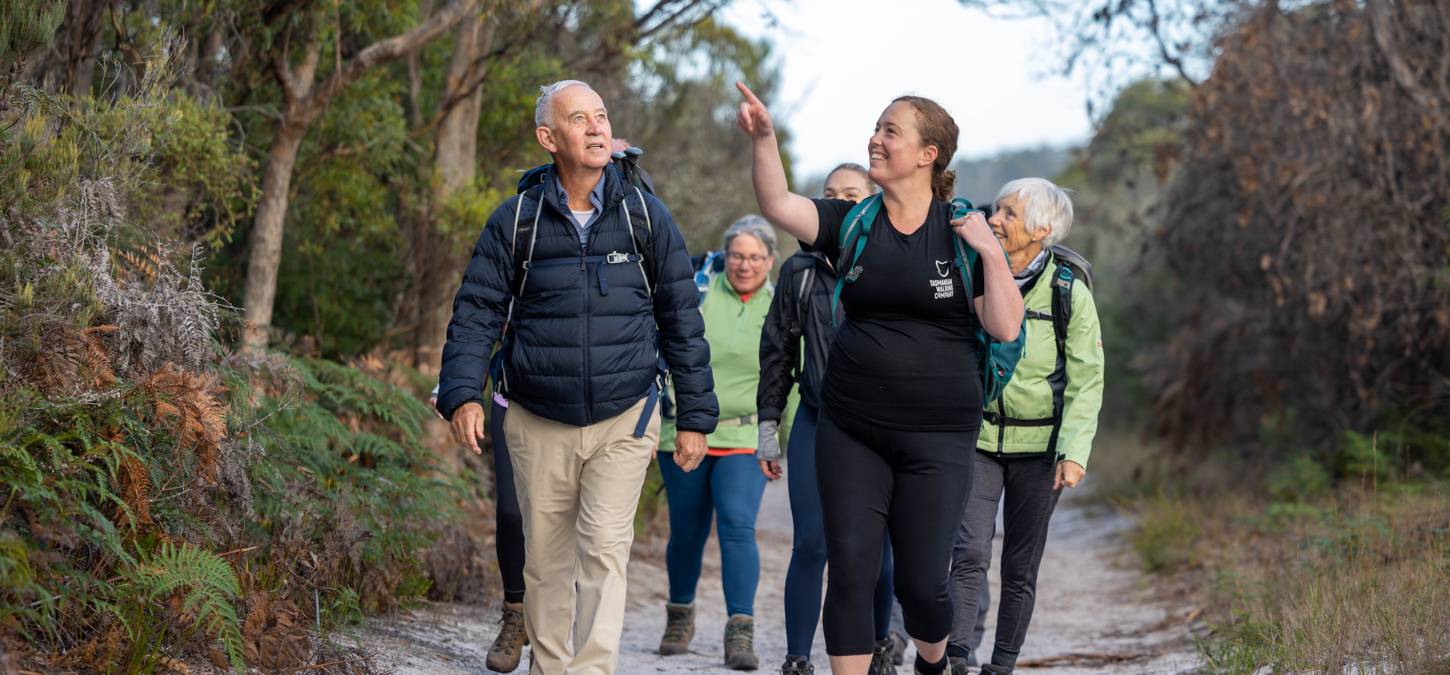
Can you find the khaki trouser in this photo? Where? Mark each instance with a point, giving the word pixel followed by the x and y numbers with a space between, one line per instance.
pixel 578 490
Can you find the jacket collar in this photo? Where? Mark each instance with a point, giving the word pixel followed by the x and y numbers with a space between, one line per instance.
pixel 609 191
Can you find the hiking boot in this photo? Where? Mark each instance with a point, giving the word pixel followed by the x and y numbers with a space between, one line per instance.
pixel 882 661
pixel 503 656
pixel 797 665
pixel 994 669
pixel 959 666
pixel 740 643
pixel 898 648
pixel 679 629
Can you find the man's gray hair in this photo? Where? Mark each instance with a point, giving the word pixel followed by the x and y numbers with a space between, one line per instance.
pixel 1044 204
pixel 755 226
pixel 544 107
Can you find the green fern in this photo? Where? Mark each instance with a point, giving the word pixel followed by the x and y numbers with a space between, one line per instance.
pixel 210 588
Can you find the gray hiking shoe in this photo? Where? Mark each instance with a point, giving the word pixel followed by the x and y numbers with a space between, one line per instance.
pixel 740 643
pixel 679 629
pixel 797 665
pixel 503 656
pixel 959 665
pixel 898 648
pixel 882 658
pixel 994 669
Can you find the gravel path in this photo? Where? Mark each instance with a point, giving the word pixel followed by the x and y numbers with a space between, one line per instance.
pixel 1095 612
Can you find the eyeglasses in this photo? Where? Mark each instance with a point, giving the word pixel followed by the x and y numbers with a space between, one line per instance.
pixel 739 258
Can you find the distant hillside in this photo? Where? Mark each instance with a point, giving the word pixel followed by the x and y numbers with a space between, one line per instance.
pixel 979 179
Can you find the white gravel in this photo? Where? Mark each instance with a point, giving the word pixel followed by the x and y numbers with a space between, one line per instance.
pixel 1095 612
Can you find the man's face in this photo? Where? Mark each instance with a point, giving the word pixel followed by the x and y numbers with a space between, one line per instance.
pixel 580 135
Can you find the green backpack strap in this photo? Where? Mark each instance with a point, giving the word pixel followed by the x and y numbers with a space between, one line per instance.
pixel 855 230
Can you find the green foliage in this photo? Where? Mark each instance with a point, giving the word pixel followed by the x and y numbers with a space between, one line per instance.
pixel 1164 535
pixel 346 472
pixel 207 588
pixel 1298 480
pixel 25 27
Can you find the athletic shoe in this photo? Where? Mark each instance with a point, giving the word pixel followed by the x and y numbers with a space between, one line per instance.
pixel 959 666
pixel 898 648
pixel 797 665
pixel 882 661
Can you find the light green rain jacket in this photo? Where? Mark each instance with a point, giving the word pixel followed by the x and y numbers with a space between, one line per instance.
pixel 1028 395
pixel 733 330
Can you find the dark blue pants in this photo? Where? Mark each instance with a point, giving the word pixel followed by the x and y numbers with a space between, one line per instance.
pixel 730 488
pixel 509 540
pixel 808 553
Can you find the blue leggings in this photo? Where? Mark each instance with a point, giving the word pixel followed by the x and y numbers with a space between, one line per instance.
pixel 808 555
pixel 730 487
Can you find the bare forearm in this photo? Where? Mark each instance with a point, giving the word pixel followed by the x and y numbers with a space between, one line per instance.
pixel 1002 307
pixel 788 211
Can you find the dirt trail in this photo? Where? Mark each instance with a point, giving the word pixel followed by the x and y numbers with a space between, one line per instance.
pixel 1095 612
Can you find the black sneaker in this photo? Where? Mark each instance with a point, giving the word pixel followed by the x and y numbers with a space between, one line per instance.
pixel 797 665
pixel 882 658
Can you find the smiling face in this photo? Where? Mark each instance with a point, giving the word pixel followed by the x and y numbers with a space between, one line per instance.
pixel 1009 224
pixel 847 184
pixel 747 262
pixel 896 148
pixel 578 135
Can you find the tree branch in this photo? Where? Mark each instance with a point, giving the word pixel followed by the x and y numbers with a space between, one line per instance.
pixel 387 50
pixel 1154 21
pixel 1388 43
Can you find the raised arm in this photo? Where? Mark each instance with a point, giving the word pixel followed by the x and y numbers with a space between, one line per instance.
pixel 788 211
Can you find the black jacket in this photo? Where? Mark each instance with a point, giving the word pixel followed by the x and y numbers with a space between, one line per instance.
pixel 787 322
pixel 586 335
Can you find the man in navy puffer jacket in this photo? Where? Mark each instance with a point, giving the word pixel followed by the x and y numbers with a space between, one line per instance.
pixel 584 339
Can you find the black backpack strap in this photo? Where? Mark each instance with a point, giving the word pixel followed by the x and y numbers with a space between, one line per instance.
pixel 802 298
pixel 642 234
pixel 1061 315
pixel 526 232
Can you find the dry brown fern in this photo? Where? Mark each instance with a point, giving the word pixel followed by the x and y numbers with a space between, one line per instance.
pixel 135 490
pixel 275 634
pixel 73 362
pixel 192 401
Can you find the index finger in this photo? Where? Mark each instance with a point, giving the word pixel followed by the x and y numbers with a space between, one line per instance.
pixel 749 95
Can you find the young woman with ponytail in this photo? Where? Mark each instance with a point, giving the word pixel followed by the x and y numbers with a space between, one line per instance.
pixel 902 400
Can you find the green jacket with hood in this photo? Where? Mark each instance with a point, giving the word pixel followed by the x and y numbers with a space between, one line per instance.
pixel 1028 395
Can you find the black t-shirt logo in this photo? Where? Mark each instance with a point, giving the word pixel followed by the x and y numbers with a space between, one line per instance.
pixel 943 268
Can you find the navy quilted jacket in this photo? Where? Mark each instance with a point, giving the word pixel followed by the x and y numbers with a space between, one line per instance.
pixel 586 335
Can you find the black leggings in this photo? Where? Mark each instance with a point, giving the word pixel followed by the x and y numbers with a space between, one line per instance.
pixel 912 483
pixel 509 537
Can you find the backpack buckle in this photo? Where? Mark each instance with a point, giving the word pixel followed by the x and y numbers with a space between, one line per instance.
pixel 616 258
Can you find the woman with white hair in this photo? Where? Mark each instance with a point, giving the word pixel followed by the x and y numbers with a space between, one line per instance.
pixel 1036 438
pixel 728 483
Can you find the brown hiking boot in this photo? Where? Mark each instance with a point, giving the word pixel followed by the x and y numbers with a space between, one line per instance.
pixel 740 643
pixel 503 656
pixel 679 629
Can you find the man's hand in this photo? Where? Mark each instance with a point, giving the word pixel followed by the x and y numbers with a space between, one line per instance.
pixel 1069 474
pixel 468 426
pixel 689 449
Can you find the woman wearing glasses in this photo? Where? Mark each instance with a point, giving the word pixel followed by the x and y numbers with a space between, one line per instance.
pixel 728 484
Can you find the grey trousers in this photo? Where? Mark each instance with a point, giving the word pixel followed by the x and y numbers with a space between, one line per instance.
pixel 1026 483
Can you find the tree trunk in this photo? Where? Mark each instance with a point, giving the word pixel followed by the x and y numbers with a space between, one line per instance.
pixel 455 162
pixel 266 253
pixel 304 101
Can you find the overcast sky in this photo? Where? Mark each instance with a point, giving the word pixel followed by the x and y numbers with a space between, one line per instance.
pixel 843 61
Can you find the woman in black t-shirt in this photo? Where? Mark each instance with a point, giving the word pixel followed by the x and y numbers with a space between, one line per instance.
pixel 902 392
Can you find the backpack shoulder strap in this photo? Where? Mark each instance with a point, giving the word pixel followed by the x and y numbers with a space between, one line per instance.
pixel 855 232
pixel 642 235
pixel 803 294
pixel 526 232
pixel 1062 281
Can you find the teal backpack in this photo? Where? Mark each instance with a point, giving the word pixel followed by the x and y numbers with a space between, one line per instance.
pixel 999 359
